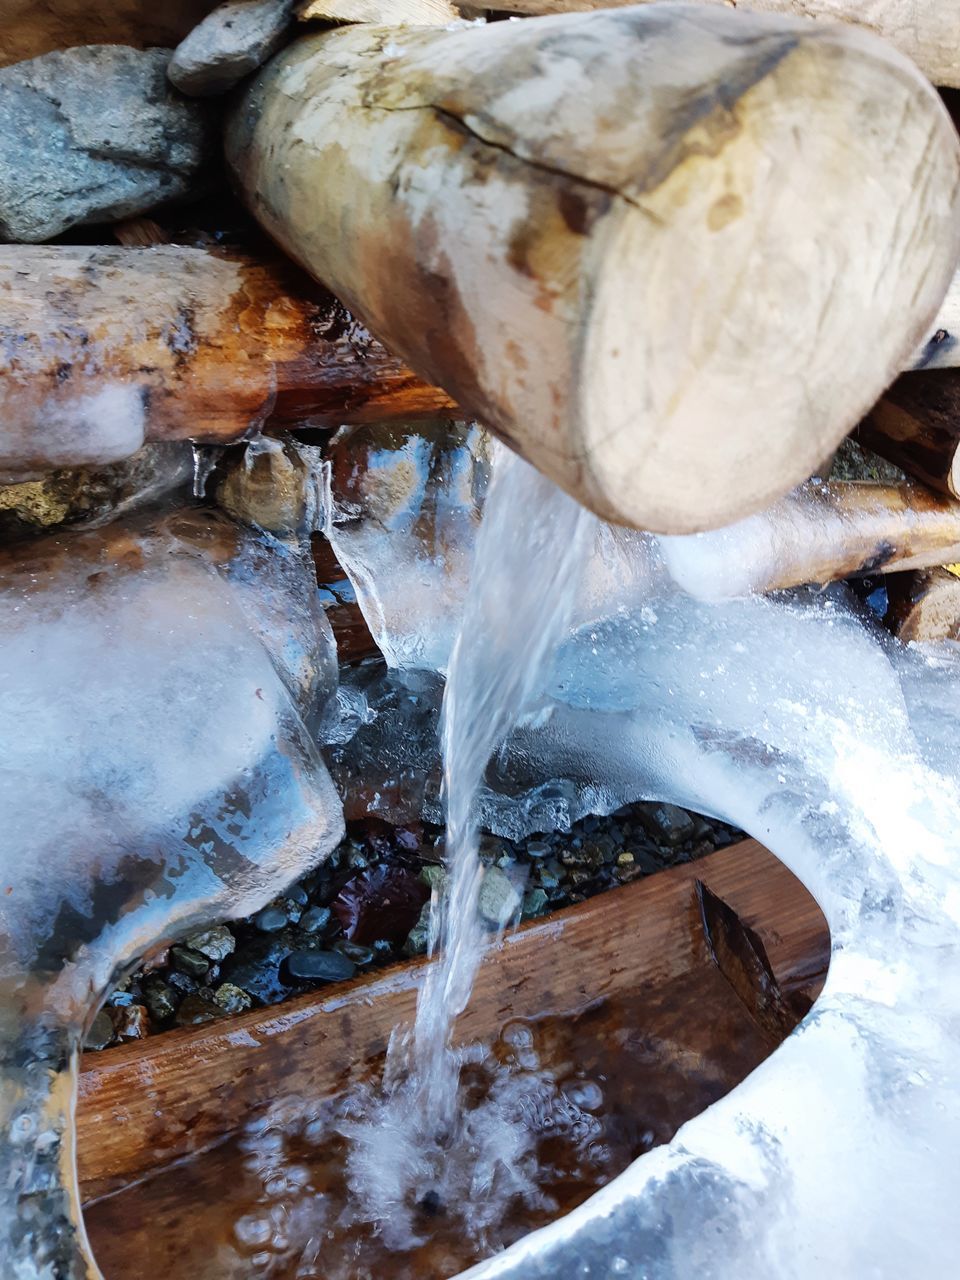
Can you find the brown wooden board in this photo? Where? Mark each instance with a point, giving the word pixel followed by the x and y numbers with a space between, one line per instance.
pixel 146 1104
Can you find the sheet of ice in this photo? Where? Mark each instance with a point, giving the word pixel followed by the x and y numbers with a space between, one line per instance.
pixel 157 771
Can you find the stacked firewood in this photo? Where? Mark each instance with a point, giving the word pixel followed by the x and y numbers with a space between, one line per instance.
pixel 673 255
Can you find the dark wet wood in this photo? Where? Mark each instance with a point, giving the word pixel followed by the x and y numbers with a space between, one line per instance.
pixel 213 344
pixel 354 641
pixel 917 425
pixel 146 1104
pixel 924 605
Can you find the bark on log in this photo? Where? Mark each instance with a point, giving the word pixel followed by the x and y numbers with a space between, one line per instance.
pixel 599 233
pixel 928 31
pixel 925 606
pixel 917 425
pixel 106 347
pixel 31 27
pixel 820 533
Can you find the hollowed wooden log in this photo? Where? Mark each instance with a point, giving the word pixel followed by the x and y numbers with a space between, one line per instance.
pixel 602 234
pixel 106 347
pixel 928 31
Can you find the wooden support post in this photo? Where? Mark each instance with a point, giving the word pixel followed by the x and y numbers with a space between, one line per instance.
pixel 917 425
pixel 598 232
pixel 106 347
pixel 928 31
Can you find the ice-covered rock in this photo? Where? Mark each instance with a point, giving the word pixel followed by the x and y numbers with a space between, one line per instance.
pixel 156 679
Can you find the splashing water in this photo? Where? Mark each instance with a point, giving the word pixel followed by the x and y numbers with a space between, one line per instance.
pixel 524 582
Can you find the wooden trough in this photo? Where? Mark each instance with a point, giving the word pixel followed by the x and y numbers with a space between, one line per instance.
pixel 723 958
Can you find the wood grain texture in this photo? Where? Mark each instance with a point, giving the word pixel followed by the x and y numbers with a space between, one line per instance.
pixel 389 12
pixel 107 346
pixel 928 31
pixel 820 533
pixel 916 424
pixel 649 285
pixel 146 1104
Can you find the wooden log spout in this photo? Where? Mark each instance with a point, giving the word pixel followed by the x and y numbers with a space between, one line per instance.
pixel 103 348
pixel 633 242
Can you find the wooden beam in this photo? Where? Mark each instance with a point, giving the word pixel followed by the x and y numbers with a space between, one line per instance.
pixel 928 31
pixel 148 1103
pixel 916 424
pixel 820 533
pixel 107 346
pixel 617 280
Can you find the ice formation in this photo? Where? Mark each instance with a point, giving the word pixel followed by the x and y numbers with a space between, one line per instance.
pixel 156 682
pixel 801 721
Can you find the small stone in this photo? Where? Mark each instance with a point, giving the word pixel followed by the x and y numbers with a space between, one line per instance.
pixel 196 1010
pixel 101 1032
pixel 229 44
pixel 538 849
pixel 433 876
pixel 232 999
pixel 182 983
pixel 416 942
pixel 257 970
pixel 216 943
pixel 131 1023
pixel 666 823
pixel 625 859
pixel 535 903
pixel 270 920
pixel 355 951
pixel 499 898
pixel 159 998
pixel 318 966
pixel 551 874
pixel 315 919
pixel 297 895
pixel 189 962
pixel 383 950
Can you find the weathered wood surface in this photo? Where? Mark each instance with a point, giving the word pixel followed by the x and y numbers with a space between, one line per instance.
pixel 820 533
pixel 31 27
pixel 916 424
pixel 151 1102
pixel 396 12
pixel 618 280
pixel 928 31
pixel 107 346
pixel 925 606
pixel 940 348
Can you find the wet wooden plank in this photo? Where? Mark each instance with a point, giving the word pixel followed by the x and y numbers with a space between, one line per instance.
pixel 146 1104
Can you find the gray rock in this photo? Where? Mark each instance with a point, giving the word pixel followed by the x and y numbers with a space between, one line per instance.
pixel 535 903
pixel 270 920
pixel 228 44
pixel 416 943
pixel 160 999
pixel 95 133
pixel 666 823
pixel 318 966
pixel 499 899
pixel 196 1010
pixel 100 1033
pixel 215 943
pixel 189 962
pixel 315 919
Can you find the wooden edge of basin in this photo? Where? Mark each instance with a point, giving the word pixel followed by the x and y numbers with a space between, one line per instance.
pixel 149 1103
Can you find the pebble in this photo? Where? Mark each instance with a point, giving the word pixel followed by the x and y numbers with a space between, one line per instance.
pixel 131 1022
pixel 232 999
pixel 215 943
pixel 159 998
pixel 499 898
pixel 535 903
pixel 197 1009
pixel 315 919
pixel 229 44
pixel 538 849
pixel 318 966
pixel 257 969
pixel 270 920
pixel 101 1032
pixel 189 962
pixel 355 951
pixel 666 823
pixel 416 943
